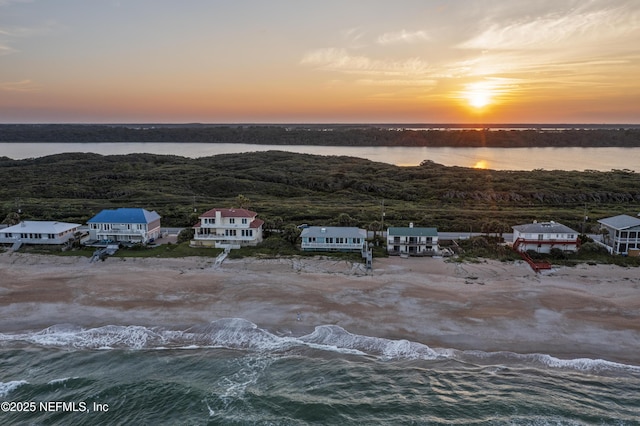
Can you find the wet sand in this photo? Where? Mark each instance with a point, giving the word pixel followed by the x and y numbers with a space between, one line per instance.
pixel 586 311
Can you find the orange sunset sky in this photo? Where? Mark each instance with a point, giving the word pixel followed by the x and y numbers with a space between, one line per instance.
pixel 287 61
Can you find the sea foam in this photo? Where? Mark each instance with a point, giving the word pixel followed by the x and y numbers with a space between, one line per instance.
pixel 240 334
pixel 8 387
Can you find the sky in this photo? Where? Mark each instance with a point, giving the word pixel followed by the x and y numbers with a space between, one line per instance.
pixel 346 61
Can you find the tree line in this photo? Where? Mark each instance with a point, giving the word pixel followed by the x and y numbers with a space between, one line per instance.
pixel 628 136
pixel 289 188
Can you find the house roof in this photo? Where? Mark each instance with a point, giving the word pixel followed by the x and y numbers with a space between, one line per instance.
pixel 544 228
pixel 334 231
pixel 41 227
pixel 256 223
pixel 413 232
pixel 125 215
pixel 622 221
pixel 229 213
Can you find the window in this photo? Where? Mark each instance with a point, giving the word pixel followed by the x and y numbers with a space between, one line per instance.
pixel 244 221
pixel 232 220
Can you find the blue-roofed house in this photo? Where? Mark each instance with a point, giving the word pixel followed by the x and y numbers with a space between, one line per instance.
pixel 621 234
pixel 133 225
pixel 412 241
pixel 333 238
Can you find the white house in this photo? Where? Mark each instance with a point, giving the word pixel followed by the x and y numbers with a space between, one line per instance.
pixel 38 232
pixel 622 233
pixel 412 240
pixel 543 236
pixel 133 225
pixel 333 238
pixel 232 228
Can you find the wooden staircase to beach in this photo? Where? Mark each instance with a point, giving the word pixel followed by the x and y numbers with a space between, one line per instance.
pixel 536 265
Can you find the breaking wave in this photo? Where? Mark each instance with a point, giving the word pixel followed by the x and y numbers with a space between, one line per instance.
pixel 240 334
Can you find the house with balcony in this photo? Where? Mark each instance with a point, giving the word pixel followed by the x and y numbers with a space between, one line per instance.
pixel 541 237
pixel 227 228
pixel 38 232
pixel 333 238
pixel 124 225
pixel 412 241
pixel 621 234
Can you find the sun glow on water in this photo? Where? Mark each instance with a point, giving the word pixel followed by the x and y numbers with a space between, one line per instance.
pixel 481 164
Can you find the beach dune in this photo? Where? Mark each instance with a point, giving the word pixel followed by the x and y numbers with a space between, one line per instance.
pixel 584 311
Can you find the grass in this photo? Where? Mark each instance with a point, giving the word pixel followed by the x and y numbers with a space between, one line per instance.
pixel 470 250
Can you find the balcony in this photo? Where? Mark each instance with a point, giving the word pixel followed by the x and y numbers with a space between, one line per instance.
pixel 332 246
pixel 222 237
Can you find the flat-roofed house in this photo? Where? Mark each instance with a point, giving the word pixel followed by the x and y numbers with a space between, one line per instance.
pixel 131 225
pixel 412 241
pixel 333 238
pixel 222 228
pixel 541 237
pixel 39 232
pixel 622 233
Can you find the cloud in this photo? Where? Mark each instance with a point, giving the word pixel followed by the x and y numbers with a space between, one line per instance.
pixel 339 60
pixel 5 50
pixel 556 29
pixel 8 2
pixel 19 86
pixel 403 37
pixel 422 82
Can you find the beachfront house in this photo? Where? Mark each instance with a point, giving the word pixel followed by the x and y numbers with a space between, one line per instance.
pixel 333 238
pixel 38 232
pixel 124 225
pixel 541 237
pixel 621 234
pixel 222 228
pixel 412 241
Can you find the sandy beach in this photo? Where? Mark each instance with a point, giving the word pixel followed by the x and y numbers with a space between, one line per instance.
pixel 586 311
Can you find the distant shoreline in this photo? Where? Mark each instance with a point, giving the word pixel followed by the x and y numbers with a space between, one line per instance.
pixel 418 135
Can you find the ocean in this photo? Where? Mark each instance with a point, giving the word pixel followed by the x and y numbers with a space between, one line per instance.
pixel 232 372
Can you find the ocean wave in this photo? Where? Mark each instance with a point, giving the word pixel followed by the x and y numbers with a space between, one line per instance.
pixel 7 387
pixel 241 334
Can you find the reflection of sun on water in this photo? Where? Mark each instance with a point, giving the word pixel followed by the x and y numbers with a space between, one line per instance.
pixel 482 164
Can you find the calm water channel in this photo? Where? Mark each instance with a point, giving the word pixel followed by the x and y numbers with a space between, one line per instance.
pixel 603 159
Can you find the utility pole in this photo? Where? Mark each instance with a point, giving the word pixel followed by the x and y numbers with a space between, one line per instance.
pixel 382 219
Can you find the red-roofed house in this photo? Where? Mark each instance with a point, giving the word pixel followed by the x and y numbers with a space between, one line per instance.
pixel 223 228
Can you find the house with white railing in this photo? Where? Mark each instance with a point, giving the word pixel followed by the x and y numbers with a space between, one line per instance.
pixel 412 241
pixel 541 237
pixel 333 238
pixel 130 225
pixel 38 232
pixel 232 228
pixel 621 234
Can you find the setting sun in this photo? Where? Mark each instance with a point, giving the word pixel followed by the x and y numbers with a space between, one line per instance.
pixel 478 95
